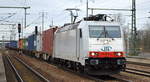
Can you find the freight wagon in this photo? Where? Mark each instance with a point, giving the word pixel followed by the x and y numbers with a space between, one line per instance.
pixel 47 43
pixel 12 44
pixel 38 43
pixel 20 44
pixel 25 43
pixel 31 42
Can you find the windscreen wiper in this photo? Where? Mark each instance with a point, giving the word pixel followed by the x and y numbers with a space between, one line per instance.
pixel 103 33
pixel 107 34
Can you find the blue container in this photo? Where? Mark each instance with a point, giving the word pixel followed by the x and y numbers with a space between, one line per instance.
pixel 12 44
pixel 31 42
pixel 7 44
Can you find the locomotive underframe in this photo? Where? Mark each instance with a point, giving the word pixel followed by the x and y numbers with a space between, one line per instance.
pixel 104 66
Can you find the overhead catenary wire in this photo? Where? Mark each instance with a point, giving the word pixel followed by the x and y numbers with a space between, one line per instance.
pixel 34 21
pixel 8 17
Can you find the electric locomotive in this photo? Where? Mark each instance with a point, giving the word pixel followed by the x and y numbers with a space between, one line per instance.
pixel 93 45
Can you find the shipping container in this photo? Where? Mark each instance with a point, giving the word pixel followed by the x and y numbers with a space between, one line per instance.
pixel 47 41
pixel 31 42
pixel 39 42
pixel 13 44
pixel 20 44
pixel 25 43
pixel 6 44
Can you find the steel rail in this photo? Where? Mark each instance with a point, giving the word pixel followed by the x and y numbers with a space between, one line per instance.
pixel 81 74
pixel 118 76
pixel 138 72
pixel 18 77
pixel 137 63
pixel 31 69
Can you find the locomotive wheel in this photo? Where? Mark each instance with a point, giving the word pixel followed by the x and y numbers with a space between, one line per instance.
pixel 78 69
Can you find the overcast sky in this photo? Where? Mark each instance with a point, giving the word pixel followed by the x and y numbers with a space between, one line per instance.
pixel 55 9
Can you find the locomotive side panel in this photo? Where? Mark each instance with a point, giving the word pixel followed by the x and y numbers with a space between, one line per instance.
pixel 66 45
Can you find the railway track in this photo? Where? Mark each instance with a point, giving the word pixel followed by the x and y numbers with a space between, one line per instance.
pixel 23 72
pixel 11 72
pixel 103 78
pixel 120 78
pixel 113 78
pixel 138 72
pixel 138 63
pixel 139 58
pixel 79 74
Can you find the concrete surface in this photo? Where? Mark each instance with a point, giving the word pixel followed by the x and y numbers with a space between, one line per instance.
pixel 2 70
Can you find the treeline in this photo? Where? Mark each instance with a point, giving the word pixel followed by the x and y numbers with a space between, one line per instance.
pixel 143 38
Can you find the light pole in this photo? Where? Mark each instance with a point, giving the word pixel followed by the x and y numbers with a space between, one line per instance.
pixel 3 41
pixel 87 7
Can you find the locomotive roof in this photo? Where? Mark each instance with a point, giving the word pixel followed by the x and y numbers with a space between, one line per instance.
pixel 68 27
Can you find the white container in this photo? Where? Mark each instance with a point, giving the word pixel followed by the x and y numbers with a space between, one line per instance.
pixel 39 42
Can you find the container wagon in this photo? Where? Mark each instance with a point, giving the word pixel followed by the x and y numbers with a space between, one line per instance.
pixel 38 43
pixel 31 43
pixel 12 44
pixel 20 44
pixel 25 43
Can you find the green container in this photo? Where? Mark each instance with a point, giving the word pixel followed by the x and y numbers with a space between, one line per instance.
pixel 25 43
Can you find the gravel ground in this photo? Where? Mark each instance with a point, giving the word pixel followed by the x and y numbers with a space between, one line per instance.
pixel 55 74
pixel 134 78
pixel 138 67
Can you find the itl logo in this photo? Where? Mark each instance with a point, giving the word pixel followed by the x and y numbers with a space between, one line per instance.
pixel 106 48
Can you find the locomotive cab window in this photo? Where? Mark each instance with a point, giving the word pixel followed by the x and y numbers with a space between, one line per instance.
pixel 113 32
pixel 104 31
pixel 96 32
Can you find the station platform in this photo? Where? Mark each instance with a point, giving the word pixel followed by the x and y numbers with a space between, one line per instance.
pixel 2 70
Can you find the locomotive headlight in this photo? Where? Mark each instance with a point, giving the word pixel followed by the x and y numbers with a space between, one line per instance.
pixel 93 54
pixel 119 54
pixel 105 42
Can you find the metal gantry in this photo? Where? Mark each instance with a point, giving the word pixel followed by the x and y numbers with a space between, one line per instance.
pixel 25 13
pixel 133 29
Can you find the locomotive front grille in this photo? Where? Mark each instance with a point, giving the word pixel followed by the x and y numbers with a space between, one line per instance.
pixel 106 61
